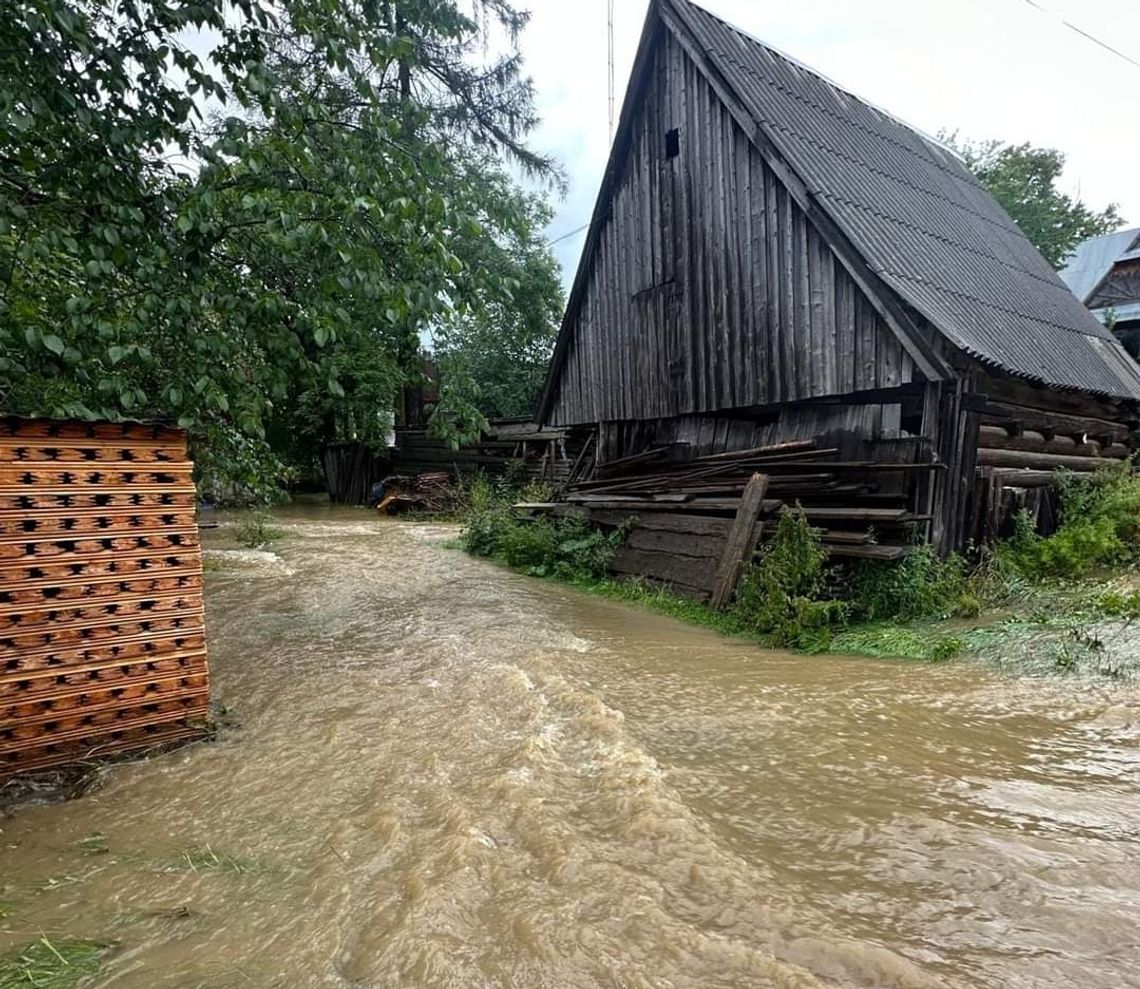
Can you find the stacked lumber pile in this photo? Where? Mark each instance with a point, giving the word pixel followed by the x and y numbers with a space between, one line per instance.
pixel 102 642
pixel 686 509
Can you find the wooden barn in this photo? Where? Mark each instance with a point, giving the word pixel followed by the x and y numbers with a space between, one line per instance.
pixel 779 276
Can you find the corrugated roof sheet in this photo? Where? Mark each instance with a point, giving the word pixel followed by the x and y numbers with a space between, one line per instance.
pixel 1094 258
pixel 920 219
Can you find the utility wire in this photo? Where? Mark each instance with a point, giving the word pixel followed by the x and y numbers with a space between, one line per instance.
pixel 1084 34
pixel 567 236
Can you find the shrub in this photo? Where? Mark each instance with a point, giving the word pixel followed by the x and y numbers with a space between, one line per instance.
pixel 920 585
pixel 782 596
pixel 568 548
pixel 1100 522
pixel 255 530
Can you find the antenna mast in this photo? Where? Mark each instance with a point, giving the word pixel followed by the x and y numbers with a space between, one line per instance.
pixel 610 48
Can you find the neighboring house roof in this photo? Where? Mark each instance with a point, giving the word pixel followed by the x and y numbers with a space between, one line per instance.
pixel 1093 259
pixel 921 220
pixel 1122 314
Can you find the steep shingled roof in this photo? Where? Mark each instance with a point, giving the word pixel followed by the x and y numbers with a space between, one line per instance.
pixel 918 217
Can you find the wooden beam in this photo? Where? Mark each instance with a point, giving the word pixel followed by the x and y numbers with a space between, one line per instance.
pixel 740 544
pixel 1041 461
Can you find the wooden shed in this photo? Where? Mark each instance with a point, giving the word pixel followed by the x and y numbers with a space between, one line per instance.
pixel 773 260
pixel 102 642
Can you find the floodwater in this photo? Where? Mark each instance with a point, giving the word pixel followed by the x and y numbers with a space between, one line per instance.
pixel 439 774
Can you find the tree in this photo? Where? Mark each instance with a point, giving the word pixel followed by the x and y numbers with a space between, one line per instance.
pixel 159 260
pixel 1023 179
pixel 494 355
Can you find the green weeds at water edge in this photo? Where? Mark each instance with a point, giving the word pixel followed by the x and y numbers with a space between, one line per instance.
pixel 790 596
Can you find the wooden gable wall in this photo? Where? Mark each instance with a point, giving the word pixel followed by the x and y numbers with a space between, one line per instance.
pixel 709 289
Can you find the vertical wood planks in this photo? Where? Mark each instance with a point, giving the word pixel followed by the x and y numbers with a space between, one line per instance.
pixel 709 288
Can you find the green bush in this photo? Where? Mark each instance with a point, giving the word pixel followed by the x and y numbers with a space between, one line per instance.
pixel 568 548
pixel 256 530
pixel 782 597
pixel 920 585
pixel 1100 523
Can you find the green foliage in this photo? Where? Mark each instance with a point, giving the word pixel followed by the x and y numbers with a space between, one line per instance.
pixel 780 597
pixel 1023 179
pixel 51 964
pixel 495 358
pixel 255 529
pixel 1100 523
pixel 567 548
pixel 1114 604
pixel 282 259
pixel 920 585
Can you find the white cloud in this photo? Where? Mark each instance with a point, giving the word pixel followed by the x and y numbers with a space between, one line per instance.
pixel 991 68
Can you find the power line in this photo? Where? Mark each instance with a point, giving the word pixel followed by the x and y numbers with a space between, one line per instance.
pixel 1084 34
pixel 567 236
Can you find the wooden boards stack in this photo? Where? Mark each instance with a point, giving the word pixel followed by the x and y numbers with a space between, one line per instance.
pixel 102 640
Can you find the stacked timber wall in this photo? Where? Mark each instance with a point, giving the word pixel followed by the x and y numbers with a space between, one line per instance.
pixel 102 641
pixel 1021 448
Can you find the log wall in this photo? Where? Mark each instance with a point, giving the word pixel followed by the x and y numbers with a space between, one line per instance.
pixel 102 642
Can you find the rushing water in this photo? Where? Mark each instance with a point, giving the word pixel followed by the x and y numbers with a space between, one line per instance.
pixel 443 775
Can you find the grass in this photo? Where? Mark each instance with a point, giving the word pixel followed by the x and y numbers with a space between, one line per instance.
pixel 206 859
pixel 46 964
pixel 93 844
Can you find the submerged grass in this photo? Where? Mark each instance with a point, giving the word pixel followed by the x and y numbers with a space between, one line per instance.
pixel 207 859
pixel 46 964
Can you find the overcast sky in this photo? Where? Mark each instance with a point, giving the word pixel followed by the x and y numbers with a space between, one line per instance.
pixel 990 68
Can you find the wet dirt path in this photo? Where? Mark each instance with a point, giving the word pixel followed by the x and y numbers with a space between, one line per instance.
pixel 445 775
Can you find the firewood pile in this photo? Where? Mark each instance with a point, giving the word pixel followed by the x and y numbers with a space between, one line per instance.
pixel 432 492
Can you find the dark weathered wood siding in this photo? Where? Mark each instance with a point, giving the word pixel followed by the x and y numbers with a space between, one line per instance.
pixel 709 288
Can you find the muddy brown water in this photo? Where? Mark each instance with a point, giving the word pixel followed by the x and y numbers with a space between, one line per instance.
pixel 444 775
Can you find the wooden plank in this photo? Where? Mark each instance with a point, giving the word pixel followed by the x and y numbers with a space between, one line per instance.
pixel 1050 422
pixel 665 567
pixel 685 544
pixel 740 543
pixel 869 552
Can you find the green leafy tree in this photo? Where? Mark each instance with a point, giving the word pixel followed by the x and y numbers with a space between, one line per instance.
pixel 1023 179
pixel 301 236
pixel 494 355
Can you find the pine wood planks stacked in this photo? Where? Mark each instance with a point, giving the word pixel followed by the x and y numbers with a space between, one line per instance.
pixel 102 639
